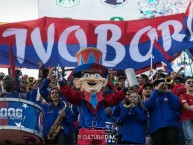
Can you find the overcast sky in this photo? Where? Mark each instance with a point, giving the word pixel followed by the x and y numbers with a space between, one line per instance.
pixel 15 11
pixel 18 10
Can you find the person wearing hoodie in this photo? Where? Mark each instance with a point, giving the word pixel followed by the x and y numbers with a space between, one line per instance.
pixel 163 107
pixel 133 116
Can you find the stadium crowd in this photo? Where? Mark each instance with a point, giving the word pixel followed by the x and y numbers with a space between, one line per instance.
pixel 158 112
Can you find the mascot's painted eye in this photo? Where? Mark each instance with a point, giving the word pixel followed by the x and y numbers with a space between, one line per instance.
pixel 86 75
pixel 97 75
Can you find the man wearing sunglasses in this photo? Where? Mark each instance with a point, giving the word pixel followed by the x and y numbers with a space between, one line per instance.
pixel 186 115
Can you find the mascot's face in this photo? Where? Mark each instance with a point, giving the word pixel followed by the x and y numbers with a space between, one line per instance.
pixel 92 82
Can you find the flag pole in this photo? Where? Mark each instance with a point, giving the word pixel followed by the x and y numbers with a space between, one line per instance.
pixel 11 61
pixel 151 63
pixel 184 63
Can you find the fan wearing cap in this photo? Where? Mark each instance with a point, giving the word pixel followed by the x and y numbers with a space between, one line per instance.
pixel 121 81
pixel 163 108
pixel 147 91
pixel 92 77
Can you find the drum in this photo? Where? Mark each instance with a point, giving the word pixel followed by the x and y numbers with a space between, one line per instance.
pixel 110 132
pixel 21 122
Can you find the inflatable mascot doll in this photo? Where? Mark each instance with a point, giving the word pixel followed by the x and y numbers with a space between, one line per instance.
pixel 91 75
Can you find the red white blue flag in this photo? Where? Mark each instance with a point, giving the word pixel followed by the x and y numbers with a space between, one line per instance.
pixel 124 44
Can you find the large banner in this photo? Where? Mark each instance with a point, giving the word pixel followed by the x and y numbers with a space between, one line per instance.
pixel 89 9
pixel 125 44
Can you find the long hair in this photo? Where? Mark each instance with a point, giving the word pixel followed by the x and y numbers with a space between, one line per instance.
pixel 49 97
pixel 54 88
pixel 140 102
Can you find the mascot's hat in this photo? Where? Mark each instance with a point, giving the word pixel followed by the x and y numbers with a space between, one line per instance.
pixel 90 59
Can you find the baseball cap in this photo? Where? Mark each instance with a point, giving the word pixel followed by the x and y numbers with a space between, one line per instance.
pixel 148 85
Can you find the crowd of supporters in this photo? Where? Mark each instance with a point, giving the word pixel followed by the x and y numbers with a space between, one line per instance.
pixel 159 112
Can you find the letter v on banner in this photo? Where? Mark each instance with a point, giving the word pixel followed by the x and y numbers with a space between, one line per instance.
pixel 159 53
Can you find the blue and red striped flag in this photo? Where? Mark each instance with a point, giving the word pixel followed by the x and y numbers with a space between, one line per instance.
pixel 159 53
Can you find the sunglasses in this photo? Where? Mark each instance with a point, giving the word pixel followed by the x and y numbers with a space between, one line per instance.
pixel 189 82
